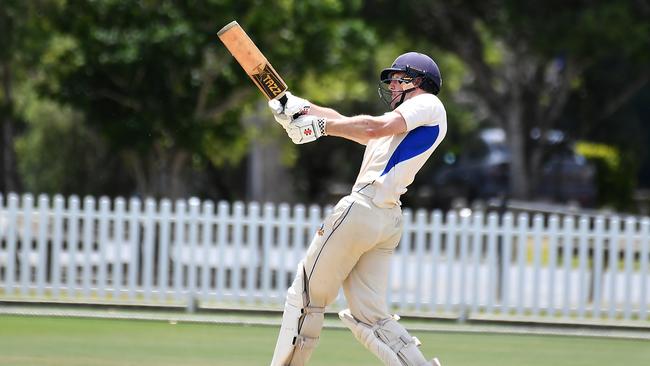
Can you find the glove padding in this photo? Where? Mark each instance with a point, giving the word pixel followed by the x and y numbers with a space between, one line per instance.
pixel 306 129
pixel 284 114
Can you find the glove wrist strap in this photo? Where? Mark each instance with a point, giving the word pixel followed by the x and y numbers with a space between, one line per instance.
pixel 322 122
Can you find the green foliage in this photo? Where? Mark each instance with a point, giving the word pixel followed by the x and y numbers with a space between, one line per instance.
pixel 615 173
pixel 151 76
pixel 608 154
pixel 57 153
pixel 149 83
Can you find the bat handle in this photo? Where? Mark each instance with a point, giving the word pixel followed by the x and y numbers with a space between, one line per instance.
pixel 283 100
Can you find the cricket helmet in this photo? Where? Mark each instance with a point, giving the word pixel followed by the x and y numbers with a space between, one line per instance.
pixel 416 65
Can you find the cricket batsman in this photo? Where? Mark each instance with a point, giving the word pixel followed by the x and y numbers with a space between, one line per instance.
pixel 353 249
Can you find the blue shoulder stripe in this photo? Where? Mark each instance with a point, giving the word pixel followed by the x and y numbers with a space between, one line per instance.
pixel 415 143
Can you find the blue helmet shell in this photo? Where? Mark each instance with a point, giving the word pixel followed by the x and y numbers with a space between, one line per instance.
pixel 416 64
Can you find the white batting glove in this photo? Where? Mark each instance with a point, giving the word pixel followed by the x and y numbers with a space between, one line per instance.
pixel 306 129
pixel 284 114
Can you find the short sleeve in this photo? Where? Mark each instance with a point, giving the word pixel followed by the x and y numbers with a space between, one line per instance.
pixel 422 110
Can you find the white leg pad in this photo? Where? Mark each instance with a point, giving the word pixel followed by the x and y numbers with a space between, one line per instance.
pixel 387 340
pixel 300 329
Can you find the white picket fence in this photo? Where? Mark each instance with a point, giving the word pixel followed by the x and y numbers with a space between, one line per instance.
pixel 189 252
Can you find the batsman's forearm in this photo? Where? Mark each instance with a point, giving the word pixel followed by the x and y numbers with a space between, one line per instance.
pixel 328 113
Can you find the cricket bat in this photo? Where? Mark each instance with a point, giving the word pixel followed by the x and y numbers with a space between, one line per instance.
pixel 253 62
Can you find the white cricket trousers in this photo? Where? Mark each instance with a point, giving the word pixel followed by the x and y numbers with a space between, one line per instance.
pixel 354 250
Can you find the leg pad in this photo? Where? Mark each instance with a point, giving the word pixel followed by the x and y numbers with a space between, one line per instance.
pixel 301 326
pixel 387 340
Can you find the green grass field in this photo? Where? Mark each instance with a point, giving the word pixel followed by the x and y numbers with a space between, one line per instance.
pixel 45 341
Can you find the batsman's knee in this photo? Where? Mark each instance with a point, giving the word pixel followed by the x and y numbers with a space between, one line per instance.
pixel 388 340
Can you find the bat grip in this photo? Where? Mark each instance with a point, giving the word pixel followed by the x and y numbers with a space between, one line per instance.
pixel 283 100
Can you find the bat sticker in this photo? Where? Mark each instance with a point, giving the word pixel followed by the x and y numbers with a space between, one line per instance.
pixel 268 81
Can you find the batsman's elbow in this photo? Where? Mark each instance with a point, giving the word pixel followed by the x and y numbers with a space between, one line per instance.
pixel 373 133
pixel 386 125
pixel 381 130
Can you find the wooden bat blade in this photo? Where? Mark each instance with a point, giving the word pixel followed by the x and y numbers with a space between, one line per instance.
pixel 252 61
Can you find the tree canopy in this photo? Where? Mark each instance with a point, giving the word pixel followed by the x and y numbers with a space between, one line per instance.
pixel 526 60
pixel 122 98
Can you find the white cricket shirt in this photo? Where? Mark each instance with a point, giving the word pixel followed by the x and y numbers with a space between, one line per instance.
pixel 391 162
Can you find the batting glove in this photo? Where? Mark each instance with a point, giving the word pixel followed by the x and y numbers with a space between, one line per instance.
pixel 306 129
pixel 295 106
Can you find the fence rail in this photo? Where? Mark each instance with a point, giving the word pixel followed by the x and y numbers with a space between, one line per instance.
pixel 452 264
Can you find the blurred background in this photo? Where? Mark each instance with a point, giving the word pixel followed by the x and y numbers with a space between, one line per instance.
pixel 547 101
pixel 138 108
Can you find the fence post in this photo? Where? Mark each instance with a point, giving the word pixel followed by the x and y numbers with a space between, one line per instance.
pixel 179 245
pixel 118 240
pixel 644 259
pixel 12 238
pixel 43 223
pixel 538 232
pixel 207 247
pixel 267 239
pixel 87 239
pixel 583 233
pixel 134 245
pixel 236 244
pixel 553 232
pixel 492 264
pixel 506 261
pixel 104 215
pixel 192 260
pixel 148 249
pixel 522 238
pixel 420 229
pixel 567 255
pixel 614 233
pixel 252 250
pixel 223 211
pixel 598 283
pixel 73 244
pixel 630 236
pixel 26 243
pixel 436 234
pixel 450 253
pixel 476 252
pixel 404 251
pixel 283 228
pixel 57 245
pixel 164 248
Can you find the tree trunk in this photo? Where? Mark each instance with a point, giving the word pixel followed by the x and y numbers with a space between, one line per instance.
pixel 9 182
pixel 133 163
pixel 515 126
pixel 177 174
pixel 519 183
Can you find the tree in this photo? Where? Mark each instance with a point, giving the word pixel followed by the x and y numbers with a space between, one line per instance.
pixel 525 59
pixel 22 34
pixel 152 78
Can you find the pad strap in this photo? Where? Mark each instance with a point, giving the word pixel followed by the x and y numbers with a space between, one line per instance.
pixel 313 310
pixel 303 342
